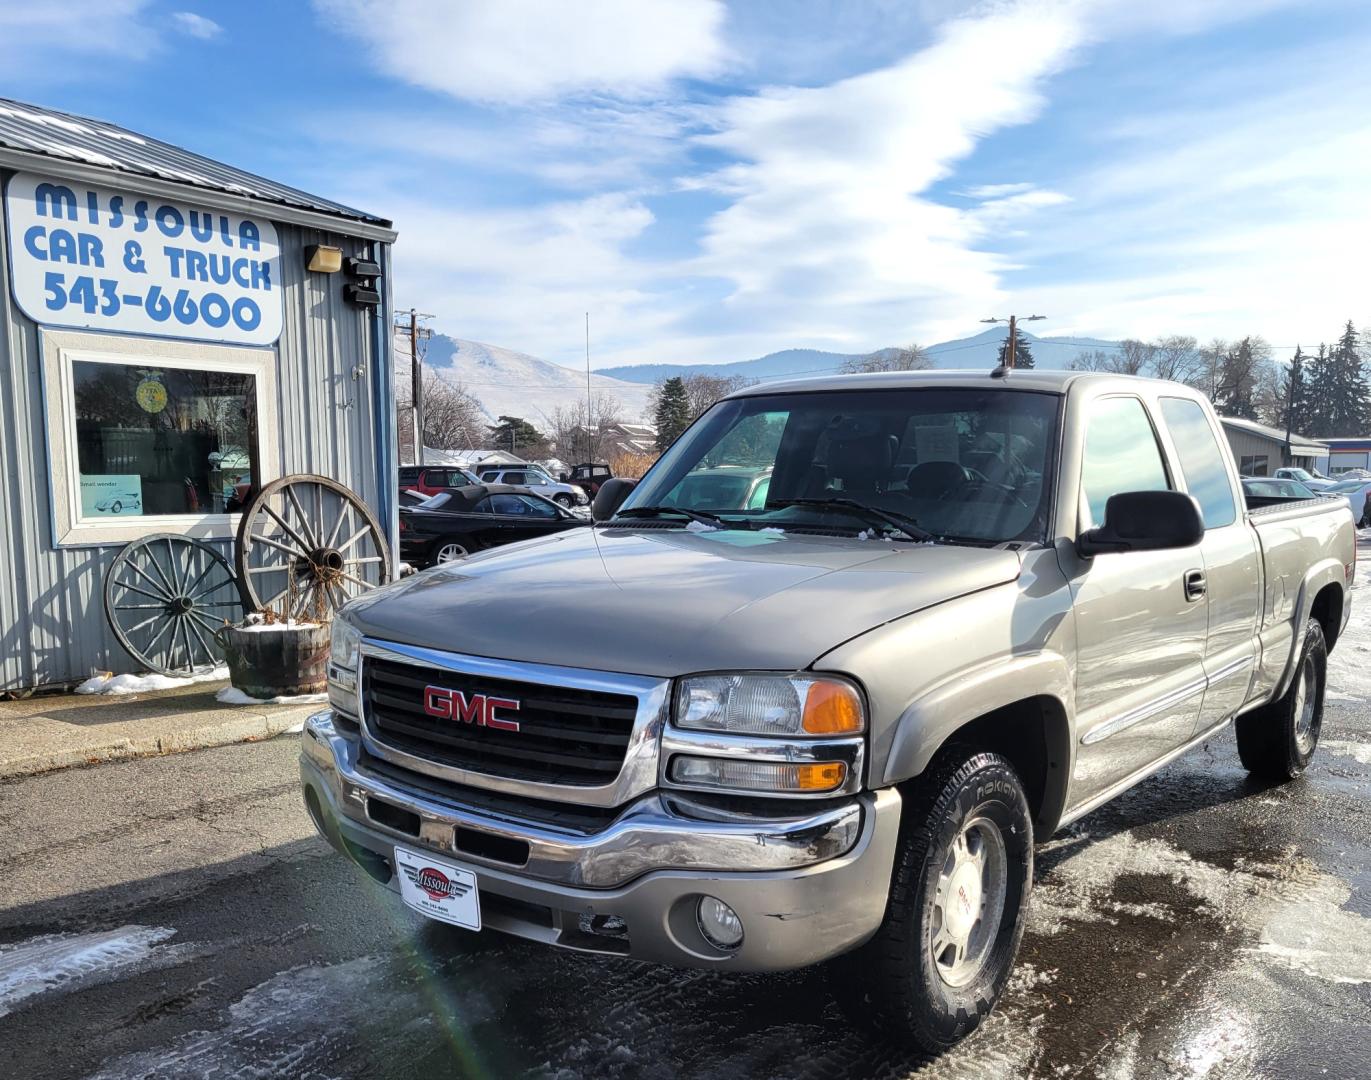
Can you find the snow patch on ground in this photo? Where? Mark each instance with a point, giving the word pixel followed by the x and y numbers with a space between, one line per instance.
pixel 1312 933
pixel 66 962
pixel 1294 910
pixel 293 1025
pixel 1344 748
pixel 1349 665
pixel 143 684
pixel 231 695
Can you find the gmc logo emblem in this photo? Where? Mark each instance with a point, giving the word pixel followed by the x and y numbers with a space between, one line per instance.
pixel 477 709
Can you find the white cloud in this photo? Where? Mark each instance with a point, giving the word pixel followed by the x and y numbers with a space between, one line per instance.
pixel 33 35
pixel 531 50
pixel 829 227
pixel 196 26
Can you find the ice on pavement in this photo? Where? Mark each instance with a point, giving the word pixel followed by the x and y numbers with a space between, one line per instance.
pixel 65 962
pixel 1349 664
pixel 142 684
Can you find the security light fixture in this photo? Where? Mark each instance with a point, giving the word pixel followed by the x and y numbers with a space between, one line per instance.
pixel 323 259
pixel 363 268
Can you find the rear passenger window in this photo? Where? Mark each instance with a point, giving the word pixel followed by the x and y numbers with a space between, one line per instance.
pixel 1202 462
pixel 1121 454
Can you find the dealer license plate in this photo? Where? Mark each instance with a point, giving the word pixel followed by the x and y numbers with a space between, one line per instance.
pixel 439 889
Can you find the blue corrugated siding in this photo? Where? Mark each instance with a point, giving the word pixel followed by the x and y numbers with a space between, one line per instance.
pixel 52 624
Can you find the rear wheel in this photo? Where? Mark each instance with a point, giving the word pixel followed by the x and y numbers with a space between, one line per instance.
pixel 448 551
pixel 1277 741
pixel 963 870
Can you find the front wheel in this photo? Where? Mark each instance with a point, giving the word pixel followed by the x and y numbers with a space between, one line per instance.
pixel 955 916
pixel 1277 741
pixel 564 500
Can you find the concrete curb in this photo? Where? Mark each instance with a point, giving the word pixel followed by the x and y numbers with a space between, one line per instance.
pixel 149 739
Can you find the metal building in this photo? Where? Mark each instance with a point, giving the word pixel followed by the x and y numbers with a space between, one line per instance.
pixel 1261 450
pixel 124 255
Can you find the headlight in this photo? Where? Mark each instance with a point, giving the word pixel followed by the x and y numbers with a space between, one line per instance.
pixel 345 643
pixel 785 705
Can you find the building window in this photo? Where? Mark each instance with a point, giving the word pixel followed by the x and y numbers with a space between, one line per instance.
pixel 162 440
pixel 1253 465
pixel 152 436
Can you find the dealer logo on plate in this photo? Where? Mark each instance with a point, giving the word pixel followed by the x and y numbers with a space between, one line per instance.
pixel 436 883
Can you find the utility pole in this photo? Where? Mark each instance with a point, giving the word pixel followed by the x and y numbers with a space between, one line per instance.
pixel 1013 321
pixel 409 325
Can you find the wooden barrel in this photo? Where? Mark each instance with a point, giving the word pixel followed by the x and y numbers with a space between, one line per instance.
pixel 276 661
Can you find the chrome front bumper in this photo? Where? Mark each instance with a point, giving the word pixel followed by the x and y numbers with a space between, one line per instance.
pixel 806 887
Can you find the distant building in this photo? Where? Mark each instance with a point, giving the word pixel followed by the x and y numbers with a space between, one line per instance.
pixel 1344 454
pixel 470 459
pixel 1261 450
pixel 633 438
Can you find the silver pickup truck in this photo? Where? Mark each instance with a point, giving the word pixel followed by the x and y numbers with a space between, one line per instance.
pixel 831 724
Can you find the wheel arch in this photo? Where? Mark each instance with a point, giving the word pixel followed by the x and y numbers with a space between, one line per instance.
pixel 995 713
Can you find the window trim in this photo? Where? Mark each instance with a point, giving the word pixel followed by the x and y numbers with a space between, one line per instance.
pixel 60 348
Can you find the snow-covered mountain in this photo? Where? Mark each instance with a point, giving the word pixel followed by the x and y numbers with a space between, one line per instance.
pixel 509 383
pixel 979 351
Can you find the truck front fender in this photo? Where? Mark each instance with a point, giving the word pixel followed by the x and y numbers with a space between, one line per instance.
pixel 940 712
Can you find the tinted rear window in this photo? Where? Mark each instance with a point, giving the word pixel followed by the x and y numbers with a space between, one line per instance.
pixel 1202 461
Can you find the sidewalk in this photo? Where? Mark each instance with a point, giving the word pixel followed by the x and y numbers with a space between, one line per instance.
pixel 61 730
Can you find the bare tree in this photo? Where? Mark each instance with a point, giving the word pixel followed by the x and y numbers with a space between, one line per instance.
pixel 1175 357
pixel 702 391
pixel 1095 360
pixel 908 358
pixel 1206 377
pixel 453 417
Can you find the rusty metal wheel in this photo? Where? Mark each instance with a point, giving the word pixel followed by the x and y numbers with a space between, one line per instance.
pixel 306 546
pixel 165 596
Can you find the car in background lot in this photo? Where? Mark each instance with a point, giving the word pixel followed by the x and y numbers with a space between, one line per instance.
pixel 1313 481
pixel 1355 492
pixel 431 479
pixel 722 487
pixel 454 523
pixel 536 480
pixel 590 477
pixel 1270 487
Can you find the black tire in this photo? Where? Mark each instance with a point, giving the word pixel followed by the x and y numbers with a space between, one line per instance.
pixel 893 983
pixel 1277 741
pixel 564 500
pixel 117 507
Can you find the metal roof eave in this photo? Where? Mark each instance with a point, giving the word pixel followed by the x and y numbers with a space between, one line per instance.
pixel 22 160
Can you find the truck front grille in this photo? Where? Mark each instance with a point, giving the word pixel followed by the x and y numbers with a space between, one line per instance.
pixel 566 736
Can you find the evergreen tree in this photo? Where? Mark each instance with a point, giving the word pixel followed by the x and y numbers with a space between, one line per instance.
pixel 1238 376
pixel 672 415
pixel 1351 405
pixel 1319 379
pixel 1293 399
pixel 515 434
pixel 1023 355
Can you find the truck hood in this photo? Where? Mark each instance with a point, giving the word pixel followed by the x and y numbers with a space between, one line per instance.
pixel 670 602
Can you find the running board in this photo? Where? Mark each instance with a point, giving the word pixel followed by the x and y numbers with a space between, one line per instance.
pixel 1078 812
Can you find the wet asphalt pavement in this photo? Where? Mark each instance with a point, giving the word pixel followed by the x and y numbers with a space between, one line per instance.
pixel 177 918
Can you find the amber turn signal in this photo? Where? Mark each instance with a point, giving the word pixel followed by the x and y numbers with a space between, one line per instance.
pixel 832 708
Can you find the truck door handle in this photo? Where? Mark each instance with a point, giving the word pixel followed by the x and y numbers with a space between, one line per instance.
pixel 1194 585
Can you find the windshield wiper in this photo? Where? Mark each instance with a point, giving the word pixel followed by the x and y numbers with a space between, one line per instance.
pixel 892 519
pixel 702 516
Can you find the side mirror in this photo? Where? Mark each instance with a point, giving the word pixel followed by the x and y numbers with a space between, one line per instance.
pixel 1144 521
pixel 610 497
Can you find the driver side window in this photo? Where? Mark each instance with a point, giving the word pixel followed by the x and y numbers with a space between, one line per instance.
pixel 1121 454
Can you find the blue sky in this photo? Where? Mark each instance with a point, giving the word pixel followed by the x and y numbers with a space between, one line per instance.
pixel 714 181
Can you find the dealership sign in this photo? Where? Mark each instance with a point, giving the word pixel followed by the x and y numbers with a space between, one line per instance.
pixel 101 259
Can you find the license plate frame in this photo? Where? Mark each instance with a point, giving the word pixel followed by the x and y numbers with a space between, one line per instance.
pixel 439 889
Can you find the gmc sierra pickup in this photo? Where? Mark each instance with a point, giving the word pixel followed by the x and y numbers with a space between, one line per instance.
pixel 830 725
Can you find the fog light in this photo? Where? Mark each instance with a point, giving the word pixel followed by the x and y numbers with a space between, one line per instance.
pixel 719 923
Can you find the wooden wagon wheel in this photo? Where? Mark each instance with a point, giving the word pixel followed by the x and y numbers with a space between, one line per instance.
pixel 165 596
pixel 306 546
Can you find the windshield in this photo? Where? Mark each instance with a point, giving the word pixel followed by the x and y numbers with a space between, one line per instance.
pixel 1296 474
pixel 966 464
